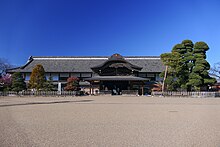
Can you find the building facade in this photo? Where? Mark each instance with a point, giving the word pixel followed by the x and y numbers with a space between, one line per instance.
pixel 107 72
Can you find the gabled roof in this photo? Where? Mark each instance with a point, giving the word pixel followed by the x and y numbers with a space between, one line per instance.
pixel 115 61
pixel 84 63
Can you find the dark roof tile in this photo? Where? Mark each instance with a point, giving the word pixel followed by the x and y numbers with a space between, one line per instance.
pixel 84 64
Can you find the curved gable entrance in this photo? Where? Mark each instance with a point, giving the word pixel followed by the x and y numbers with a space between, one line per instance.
pixel 116 65
pixel 117 75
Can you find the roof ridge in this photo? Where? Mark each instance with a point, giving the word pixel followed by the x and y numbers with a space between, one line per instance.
pixel 93 56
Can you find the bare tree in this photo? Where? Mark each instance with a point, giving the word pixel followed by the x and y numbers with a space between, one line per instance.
pixel 215 70
pixel 4 64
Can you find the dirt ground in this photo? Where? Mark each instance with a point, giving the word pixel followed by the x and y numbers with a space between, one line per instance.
pixel 109 121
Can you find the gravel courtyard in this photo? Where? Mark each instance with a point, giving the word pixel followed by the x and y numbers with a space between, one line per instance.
pixel 110 121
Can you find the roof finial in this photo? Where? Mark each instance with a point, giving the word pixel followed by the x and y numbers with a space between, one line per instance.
pixel 116 56
pixel 30 58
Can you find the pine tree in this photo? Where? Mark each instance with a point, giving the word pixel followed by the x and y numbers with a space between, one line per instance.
pixel 170 60
pixel 199 77
pixel 179 65
pixel 18 83
pixel 187 67
pixel 37 79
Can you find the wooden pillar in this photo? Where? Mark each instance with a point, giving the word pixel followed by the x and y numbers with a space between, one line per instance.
pixel 165 75
pixel 92 90
pixel 90 86
pixel 142 89
pixel 129 85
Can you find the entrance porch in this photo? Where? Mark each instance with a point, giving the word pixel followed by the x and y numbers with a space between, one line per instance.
pixel 117 84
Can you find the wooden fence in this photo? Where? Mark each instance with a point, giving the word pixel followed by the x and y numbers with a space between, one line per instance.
pixel 129 92
pixel 186 94
pixel 123 92
pixel 105 92
pixel 109 92
pixel 40 93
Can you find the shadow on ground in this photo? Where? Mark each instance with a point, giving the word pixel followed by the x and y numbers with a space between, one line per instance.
pixel 42 103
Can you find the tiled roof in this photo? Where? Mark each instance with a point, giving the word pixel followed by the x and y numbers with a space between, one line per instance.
pixel 84 63
pixel 117 78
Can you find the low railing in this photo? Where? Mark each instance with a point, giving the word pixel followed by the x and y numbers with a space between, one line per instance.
pixel 105 92
pixel 40 93
pixel 186 94
pixel 109 92
pixel 129 92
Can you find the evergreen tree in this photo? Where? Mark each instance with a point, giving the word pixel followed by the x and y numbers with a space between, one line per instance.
pixel 169 59
pixel 49 84
pixel 187 67
pixel 179 65
pixel 199 77
pixel 18 83
pixel 37 78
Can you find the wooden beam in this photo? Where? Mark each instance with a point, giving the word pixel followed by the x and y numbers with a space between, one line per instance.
pixel 164 78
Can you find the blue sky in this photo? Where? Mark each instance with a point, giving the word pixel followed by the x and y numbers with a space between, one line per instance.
pixel 103 27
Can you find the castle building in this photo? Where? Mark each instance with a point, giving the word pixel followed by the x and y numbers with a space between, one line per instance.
pixel 97 73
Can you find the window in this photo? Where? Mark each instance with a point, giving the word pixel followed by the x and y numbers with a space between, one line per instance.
pixel 47 75
pixel 63 78
pixel 27 76
pixel 75 75
pixel 64 74
pixel 55 76
pixel 142 75
pixel 84 75
pixel 150 75
pixel 158 78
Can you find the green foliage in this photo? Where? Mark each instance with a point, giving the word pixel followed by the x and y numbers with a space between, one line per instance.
pixel 201 47
pixel 172 84
pixel 209 81
pixel 37 79
pixel 202 78
pixel 166 58
pixel 187 43
pixel 48 85
pixel 188 68
pixel 18 83
pixel 198 68
pixel 199 55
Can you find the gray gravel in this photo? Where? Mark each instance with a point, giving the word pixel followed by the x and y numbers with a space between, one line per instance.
pixel 109 121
